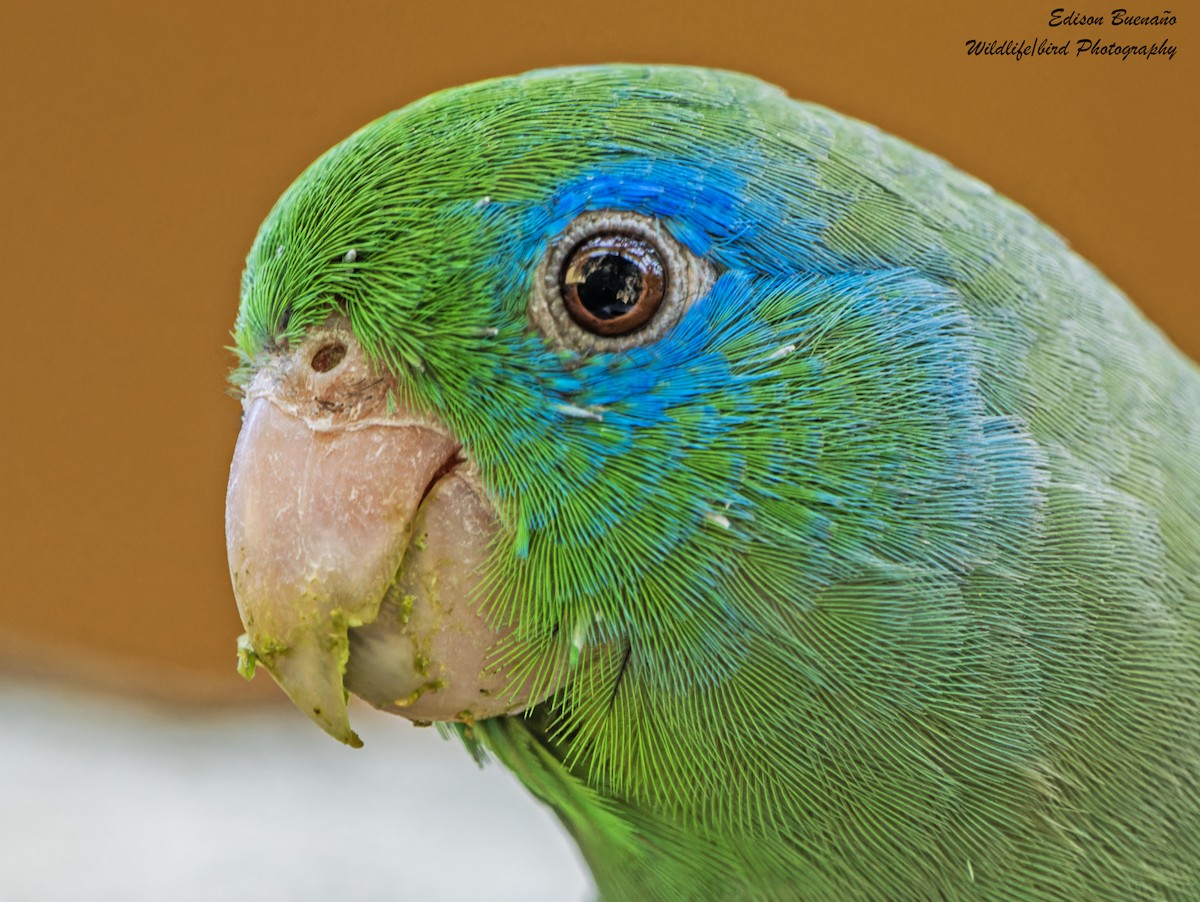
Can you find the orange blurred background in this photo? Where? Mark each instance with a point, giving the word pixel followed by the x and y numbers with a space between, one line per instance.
pixel 143 142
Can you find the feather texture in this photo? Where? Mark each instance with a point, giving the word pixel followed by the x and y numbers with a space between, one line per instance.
pixel 881 569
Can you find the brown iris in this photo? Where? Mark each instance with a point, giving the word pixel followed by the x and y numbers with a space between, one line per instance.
pixel 612 283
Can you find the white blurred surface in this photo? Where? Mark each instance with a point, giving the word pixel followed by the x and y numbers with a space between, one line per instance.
pixel 107 799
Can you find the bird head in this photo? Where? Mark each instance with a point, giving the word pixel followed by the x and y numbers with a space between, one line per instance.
pixel 546 377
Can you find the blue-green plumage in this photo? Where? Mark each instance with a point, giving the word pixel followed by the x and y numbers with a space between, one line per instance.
pixel 881 568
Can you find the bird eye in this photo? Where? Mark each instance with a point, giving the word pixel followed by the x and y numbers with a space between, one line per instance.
pixel 615 279
pixel 613 283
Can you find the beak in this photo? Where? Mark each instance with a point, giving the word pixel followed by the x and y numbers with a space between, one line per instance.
pixel 323 490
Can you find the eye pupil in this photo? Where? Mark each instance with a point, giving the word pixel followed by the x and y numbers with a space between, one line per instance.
pixel 612 283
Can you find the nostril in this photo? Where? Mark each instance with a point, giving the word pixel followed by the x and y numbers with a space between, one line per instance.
pixel 328 356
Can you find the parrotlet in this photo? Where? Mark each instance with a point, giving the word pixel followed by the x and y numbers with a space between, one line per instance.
pixel 792 514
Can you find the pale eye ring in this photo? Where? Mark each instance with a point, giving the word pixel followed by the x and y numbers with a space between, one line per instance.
pixel 614 279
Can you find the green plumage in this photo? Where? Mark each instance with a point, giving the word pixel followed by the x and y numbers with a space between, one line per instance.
pixel 879 573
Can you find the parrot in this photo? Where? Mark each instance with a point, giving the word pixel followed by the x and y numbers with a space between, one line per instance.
pixel 792 514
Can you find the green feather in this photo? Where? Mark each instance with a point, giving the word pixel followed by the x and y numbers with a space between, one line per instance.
pixel 878 576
